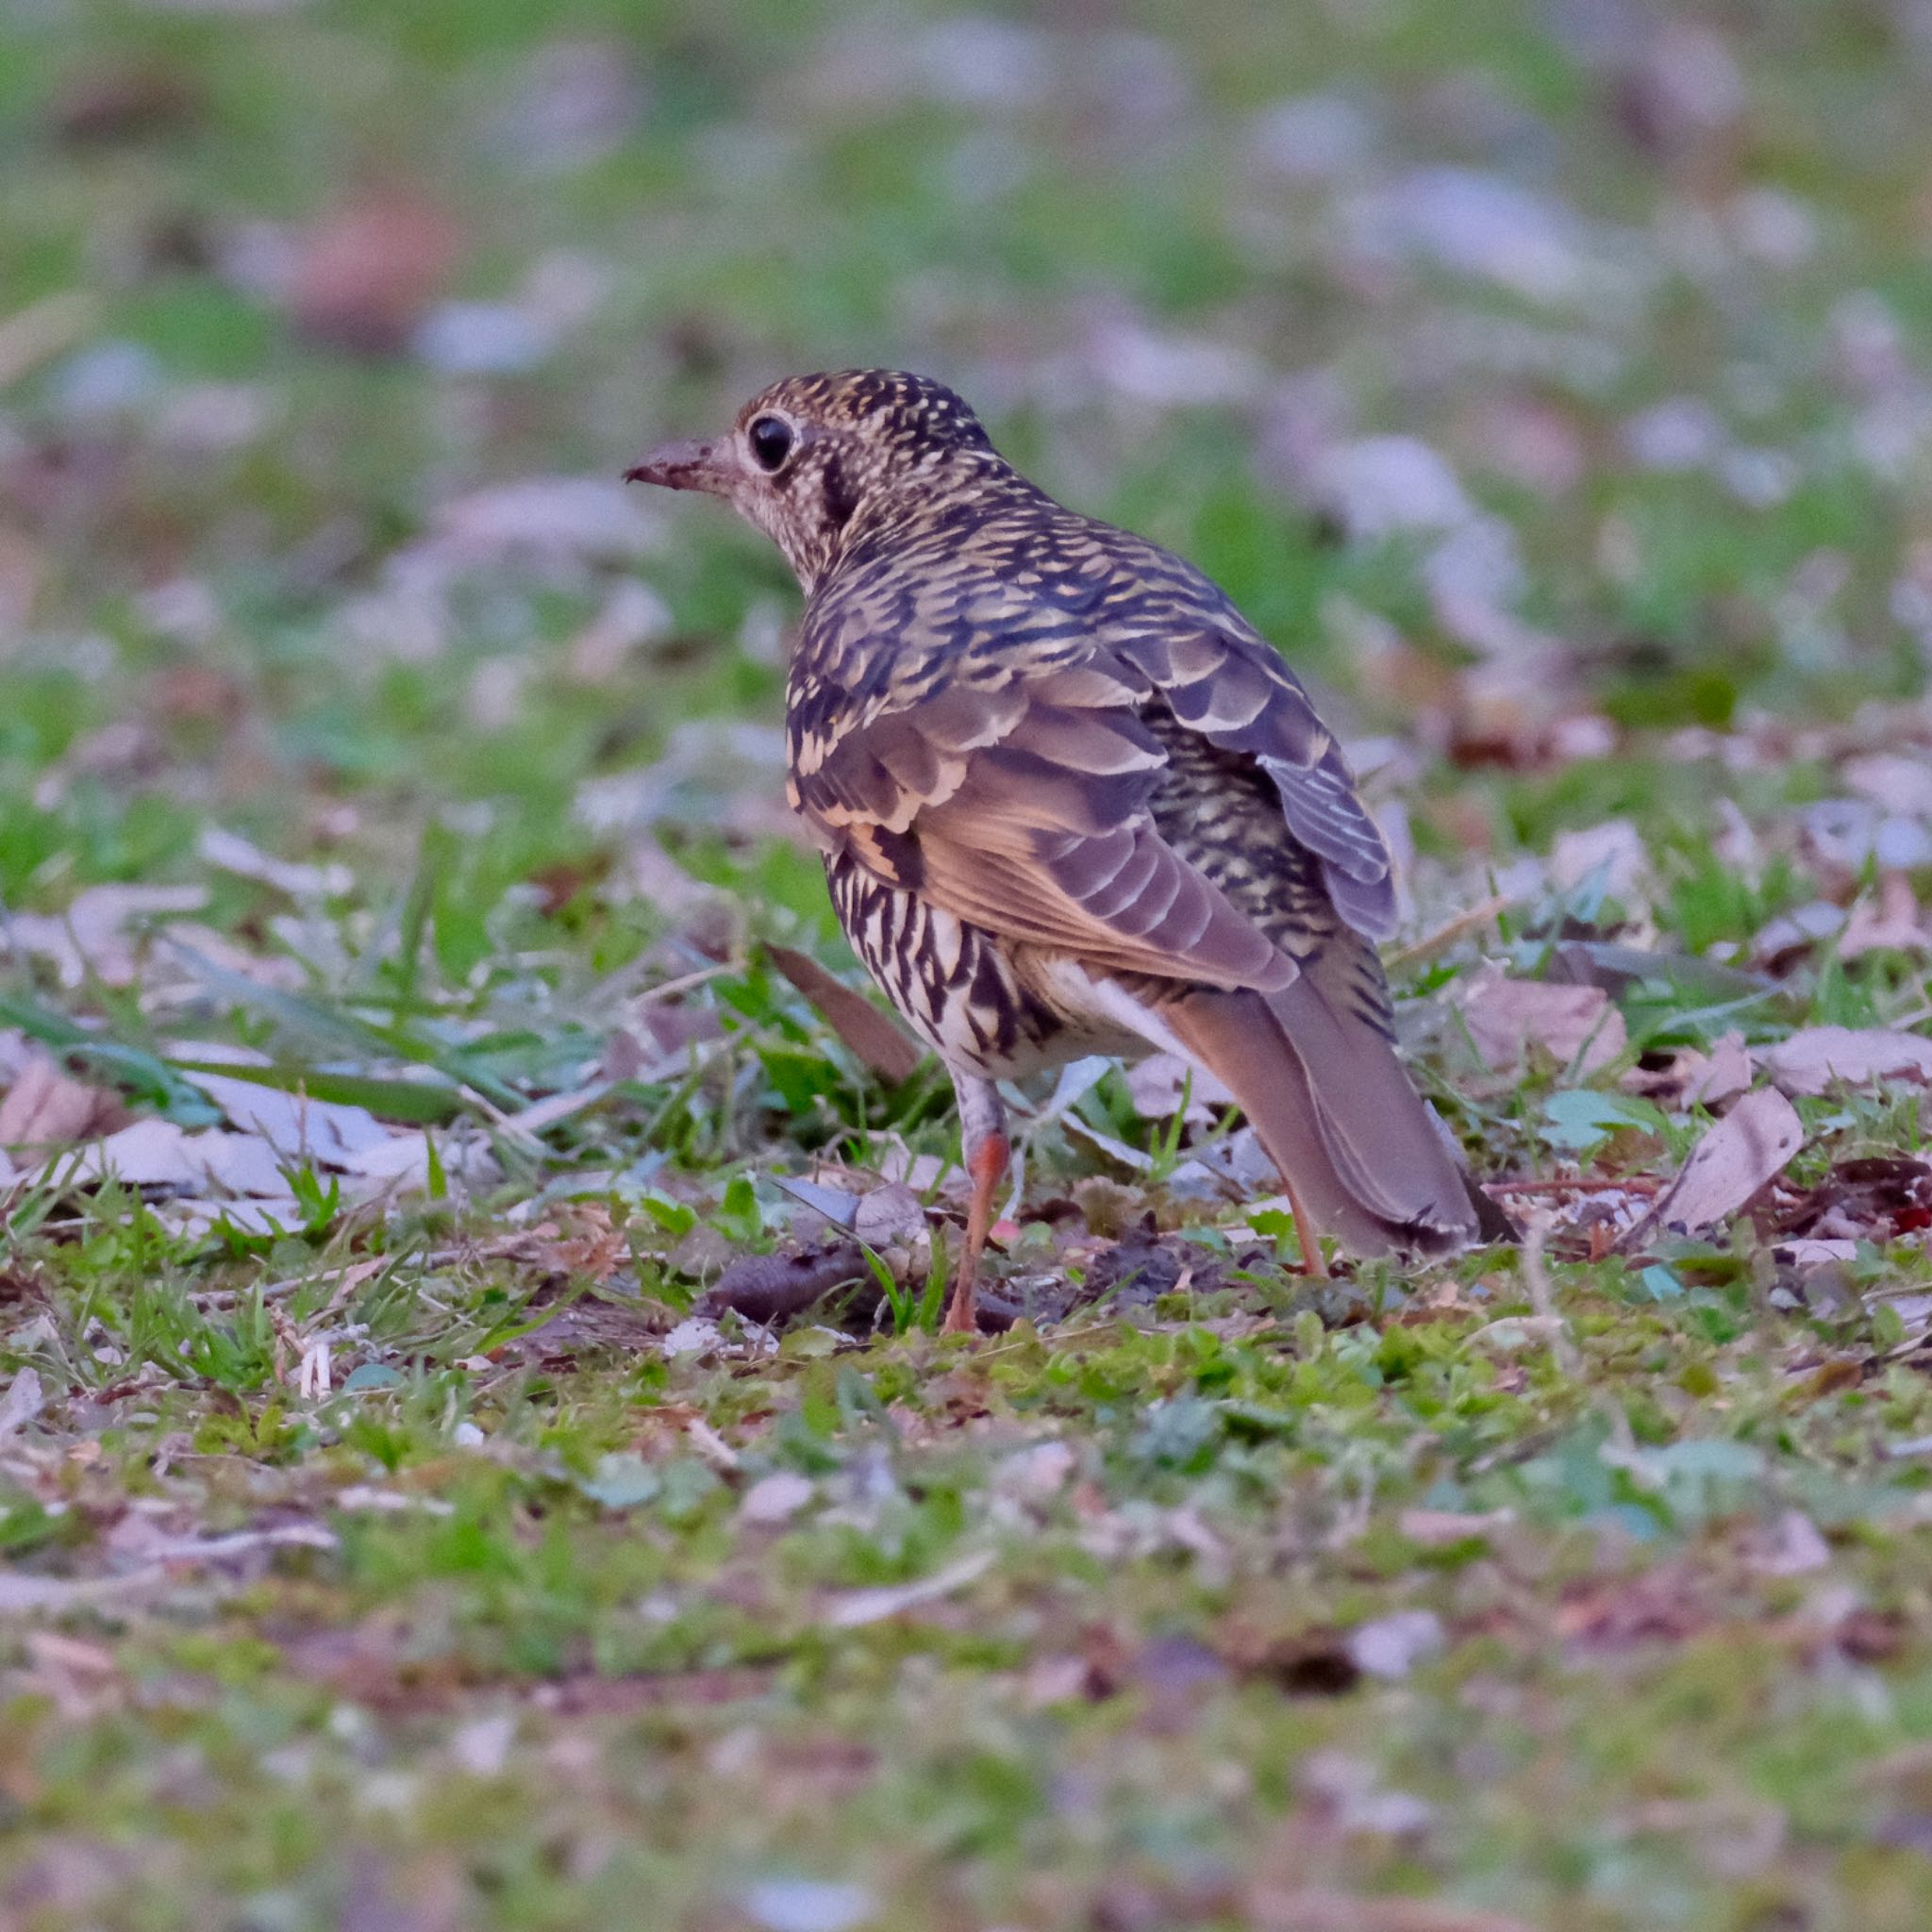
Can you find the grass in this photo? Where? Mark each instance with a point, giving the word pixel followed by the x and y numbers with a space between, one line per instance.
pixel 431 1556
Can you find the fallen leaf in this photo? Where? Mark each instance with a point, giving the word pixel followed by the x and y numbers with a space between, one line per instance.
pixel 1873 1196
pixel 298 1129
pixel 1613 851
pixel 768 1287
pixel 1806 1256
pixel 1351 1797
pixel 776 1498
pixel 1843 836
pixel 891 1216
pixel 480 1749
pixel 1894 781
pixel 23 1595
pixel 47 1109
pixel 1817 1058
pixel 1484 225
pixel 368 271
pixel 1437 1528
pixel 261 1214
pixel 1724 1077
pixel 21 1404
pixel 1573 1024
pixel 696 1335
pixel 1791 1547
pixel 807 1904
pixel 158 1154
pixel 95 936
pixel 880 1042
pixel 1392 1646
pixel 1157 1083
pixel 403 1161
pixel 1748 1148
pixel 546 520
pixel 1892 924
pixel 1791 934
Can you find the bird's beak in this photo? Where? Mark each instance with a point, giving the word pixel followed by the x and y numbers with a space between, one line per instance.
pixel 687 465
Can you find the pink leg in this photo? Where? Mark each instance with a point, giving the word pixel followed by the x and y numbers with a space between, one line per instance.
pixel 1313 1262
pixel 983 1131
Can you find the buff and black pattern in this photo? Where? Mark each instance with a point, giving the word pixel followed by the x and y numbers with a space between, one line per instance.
pixel 1071 800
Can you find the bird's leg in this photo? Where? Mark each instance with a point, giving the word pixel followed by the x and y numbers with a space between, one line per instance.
pixel 1313 1262
pixel 983 1142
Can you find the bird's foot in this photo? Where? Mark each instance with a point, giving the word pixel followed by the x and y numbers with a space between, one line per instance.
pixel 987 1164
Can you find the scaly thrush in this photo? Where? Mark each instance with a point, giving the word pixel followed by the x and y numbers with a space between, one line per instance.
pixel 1072 803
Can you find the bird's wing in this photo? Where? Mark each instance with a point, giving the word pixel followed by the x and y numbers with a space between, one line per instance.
pixel 1014 791
pixel 1020 805
pixel 1228 685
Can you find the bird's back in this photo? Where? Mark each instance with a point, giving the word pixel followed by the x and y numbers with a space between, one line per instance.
pixel 1022 587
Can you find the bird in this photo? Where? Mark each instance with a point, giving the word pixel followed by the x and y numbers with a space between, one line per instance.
pixel 1070 802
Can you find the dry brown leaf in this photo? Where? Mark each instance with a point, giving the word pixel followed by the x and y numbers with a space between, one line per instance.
pixel 768 1288
pixel 369 271
pixel 1892 924
pixel 157 1153
pixel 96 934
pixel 1897 781
pixel 402 1162
pixel 1615 849
pixel 1817 1058
pixel 298 1129
pixel 123 101
pixel 881 1042
pixel 1693 1078
pixel 20 1402
pixel 1792 934
pixel 1726 1076
pixel 231 853
pixel 1438 1528
pixel 890 1216
pixel 47 1109
pixel 1507 1017
pixel 1749 1147
pixel 1871 1196
pixel 1158 1082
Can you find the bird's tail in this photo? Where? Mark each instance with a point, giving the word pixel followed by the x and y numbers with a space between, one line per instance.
pixel 1338 1115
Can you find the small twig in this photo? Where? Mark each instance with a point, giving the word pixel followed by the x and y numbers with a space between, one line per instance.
pixel 1536 1278
pixel 1466 920
pixel 669 988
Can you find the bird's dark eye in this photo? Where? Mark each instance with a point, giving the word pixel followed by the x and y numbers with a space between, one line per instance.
pixel 770 441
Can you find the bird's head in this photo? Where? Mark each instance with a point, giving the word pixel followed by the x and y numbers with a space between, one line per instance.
pixel 814 459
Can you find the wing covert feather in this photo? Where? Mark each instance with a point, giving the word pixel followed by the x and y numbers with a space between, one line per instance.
pixel 1018 794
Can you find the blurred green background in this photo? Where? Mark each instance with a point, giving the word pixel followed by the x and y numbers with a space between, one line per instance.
pixel 1513 364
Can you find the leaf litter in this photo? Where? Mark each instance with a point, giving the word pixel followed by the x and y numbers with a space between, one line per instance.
pixel 465 1315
